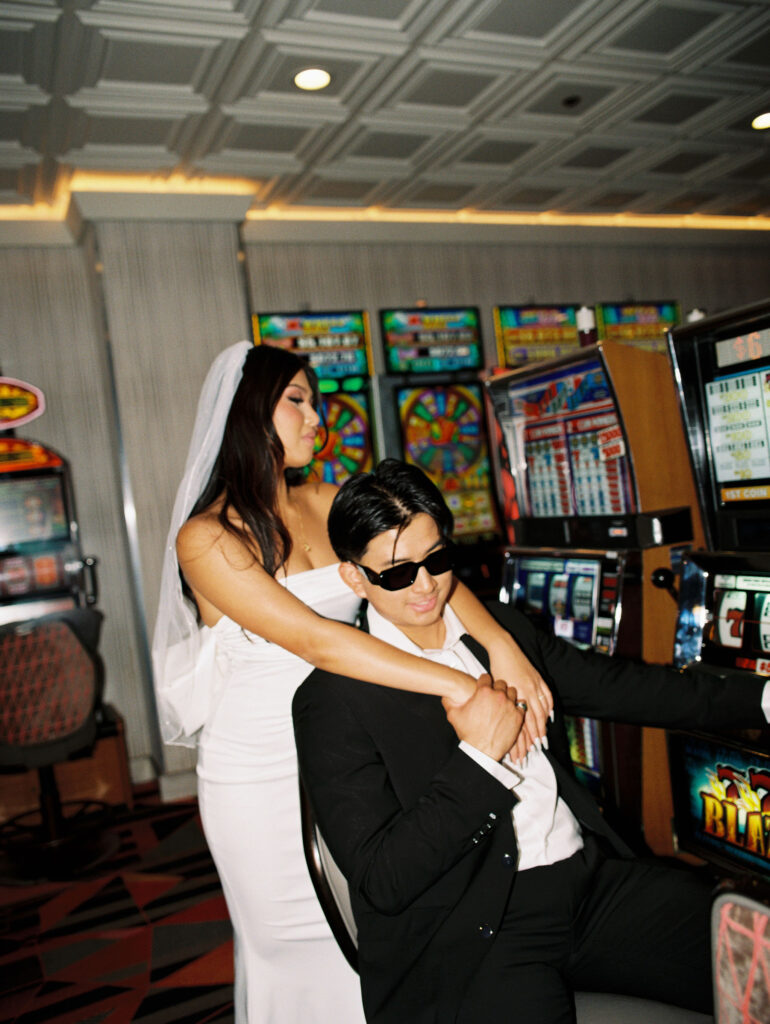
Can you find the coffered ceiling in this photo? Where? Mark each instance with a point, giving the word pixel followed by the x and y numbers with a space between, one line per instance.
pixel 574 106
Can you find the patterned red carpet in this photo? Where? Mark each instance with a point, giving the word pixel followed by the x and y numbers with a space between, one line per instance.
pixel 144 937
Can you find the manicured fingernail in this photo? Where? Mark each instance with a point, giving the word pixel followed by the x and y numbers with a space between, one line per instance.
pixel 544 741
pixel 552 716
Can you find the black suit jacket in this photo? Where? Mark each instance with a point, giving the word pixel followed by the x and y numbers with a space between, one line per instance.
pixel 424 834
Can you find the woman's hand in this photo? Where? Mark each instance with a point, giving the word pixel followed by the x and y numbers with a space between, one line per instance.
pixel 509 663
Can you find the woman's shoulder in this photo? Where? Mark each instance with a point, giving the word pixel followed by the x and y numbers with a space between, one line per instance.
pixel 199 533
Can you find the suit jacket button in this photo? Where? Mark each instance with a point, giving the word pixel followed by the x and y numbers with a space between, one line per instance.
pixel 508 860
pixel 487 931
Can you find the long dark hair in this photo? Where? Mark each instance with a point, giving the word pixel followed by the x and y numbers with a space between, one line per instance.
pixel 246 470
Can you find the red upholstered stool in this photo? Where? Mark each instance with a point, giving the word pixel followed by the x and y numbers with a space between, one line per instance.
pixel 740 942
pixel 51 680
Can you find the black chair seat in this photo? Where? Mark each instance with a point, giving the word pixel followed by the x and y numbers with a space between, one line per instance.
pixel 51 683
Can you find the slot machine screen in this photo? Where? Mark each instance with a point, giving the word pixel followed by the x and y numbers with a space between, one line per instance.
pixel 443 432
pixel 337 347
pixel 561 594
pixel 525 333
pixel 643 325
pixel 564 444
pixel 426 340
pixel 32 511
pixel 722 366
pixel 35 543
pixel 575 595
pixel 721 794
pixel 724 612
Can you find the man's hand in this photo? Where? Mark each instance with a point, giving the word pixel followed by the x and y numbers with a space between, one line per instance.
pixel 490 721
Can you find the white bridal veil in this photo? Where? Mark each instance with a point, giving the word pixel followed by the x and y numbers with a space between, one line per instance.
pixel 182 651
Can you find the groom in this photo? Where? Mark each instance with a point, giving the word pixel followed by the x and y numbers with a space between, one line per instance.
pixel 484 890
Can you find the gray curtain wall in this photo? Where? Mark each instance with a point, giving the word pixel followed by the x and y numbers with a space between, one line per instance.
pixel 51 336
pixel 174 297
pixel 373 276
pixel 121 401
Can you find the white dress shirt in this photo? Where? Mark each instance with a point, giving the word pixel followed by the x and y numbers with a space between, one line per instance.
pixel 546 830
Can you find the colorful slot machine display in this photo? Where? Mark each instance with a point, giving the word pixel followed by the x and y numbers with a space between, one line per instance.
pixel 593 502
pixel 337 346
pixel 42 567
pixel 433 415
pixel 721 784
pixel 642 324
pixel 43 571
pixel 527 333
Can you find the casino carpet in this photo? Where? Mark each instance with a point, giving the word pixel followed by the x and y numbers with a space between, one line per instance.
pixel 144 937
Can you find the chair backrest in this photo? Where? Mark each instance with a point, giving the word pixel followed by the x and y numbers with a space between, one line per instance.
pixel 50 684
pixel 329 883
pixel 740 946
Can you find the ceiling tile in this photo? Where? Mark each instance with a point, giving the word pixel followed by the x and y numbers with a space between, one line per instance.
pixel 388 145
pixel 267 137
pixel 682 163
pixel 664 29
pixel 568 98
pixel 534 20
pixel 595 157
pixel 754 54
pixel 676 108
pixel 446 89
pixel 495 151
pixel 530 196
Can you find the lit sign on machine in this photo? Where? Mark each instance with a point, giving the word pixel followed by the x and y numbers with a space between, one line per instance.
pixel 722 801
pixel 743 348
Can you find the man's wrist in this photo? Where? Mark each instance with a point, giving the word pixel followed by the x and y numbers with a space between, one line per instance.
pixel 506 776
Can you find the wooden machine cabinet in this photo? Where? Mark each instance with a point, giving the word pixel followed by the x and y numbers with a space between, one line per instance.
pixel 664 479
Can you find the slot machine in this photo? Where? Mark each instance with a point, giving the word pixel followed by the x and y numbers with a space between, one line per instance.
pixel 527 333
pixel 42 566
pixel 642 324
pixel 338 347
pixel 43 571
pixel 595 500
pixel 432 408
pixel 721 784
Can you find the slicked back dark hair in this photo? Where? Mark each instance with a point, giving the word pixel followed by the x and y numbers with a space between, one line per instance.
pixel 247 468
pixel 388 498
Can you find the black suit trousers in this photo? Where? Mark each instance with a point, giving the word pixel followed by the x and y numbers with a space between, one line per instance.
pixel 598 924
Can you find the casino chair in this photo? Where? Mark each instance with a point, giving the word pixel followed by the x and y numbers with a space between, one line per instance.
pixel 329 883
pixel 591 1007
pixel 51 681
pixel 740 946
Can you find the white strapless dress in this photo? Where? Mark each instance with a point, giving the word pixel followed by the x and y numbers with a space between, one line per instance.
pixel 288 967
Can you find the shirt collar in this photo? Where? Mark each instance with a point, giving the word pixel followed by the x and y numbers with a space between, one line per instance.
pixel 383 629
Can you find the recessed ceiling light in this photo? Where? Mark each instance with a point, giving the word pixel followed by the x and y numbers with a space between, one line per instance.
pixel 761 121
pixel 312 78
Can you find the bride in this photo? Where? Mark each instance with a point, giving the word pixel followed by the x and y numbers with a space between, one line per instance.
pixel 250 602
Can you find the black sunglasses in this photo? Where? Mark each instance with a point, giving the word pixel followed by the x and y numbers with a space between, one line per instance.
pixel 404 575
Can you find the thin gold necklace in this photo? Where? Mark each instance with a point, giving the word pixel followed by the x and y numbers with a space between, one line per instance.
pixel 303 541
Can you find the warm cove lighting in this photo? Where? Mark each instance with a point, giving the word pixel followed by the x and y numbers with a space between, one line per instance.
pixel 761 121
pixel 312 79
pixel 84 182
pixel 176 184
pixel 39 212
pixel 375 214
